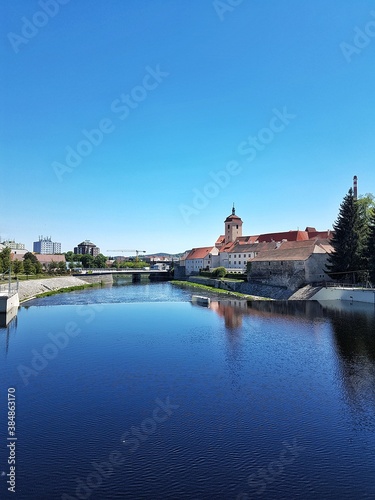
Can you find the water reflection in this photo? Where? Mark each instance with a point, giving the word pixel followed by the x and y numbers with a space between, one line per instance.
pixel 353 338
pixel 231 310
pixel 8 324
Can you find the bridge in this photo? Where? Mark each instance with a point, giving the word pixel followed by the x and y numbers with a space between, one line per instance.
pixel 135 273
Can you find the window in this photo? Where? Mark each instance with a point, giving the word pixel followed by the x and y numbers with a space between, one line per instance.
pixel 228 226
pixel 237 226
pixel 281 263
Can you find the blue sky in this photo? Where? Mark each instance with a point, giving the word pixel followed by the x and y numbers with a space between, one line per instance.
pixel 158 98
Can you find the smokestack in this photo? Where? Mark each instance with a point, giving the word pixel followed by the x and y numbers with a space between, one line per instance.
pixel 355 191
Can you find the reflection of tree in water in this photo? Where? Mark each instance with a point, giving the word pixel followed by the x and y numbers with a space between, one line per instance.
pixel 354 336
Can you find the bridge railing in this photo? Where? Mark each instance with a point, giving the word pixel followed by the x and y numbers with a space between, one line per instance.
pixel 9 288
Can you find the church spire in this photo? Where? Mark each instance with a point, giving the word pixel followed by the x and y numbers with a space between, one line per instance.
pixel 233 210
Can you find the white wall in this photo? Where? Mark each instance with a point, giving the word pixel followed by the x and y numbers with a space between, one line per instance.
pixel 341 293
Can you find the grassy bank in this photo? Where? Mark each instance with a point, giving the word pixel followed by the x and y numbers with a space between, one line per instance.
pixel 189 284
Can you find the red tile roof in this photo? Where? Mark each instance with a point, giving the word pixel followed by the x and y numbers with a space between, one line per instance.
pixel 199 253
pixel 287 235
pixel 294 250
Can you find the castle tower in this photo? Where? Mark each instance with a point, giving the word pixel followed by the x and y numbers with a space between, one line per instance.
pixel 232 227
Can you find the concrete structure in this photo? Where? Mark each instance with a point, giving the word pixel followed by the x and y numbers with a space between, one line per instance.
pixel 345 293
pixel 9 298
pixel 355 187
pixel 292 264
pixel 87 248
pixel 46 246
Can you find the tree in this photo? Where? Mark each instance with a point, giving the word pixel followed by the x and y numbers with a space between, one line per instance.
pixel 61 267
pixel 28 267
pixel 5 260
pixel 30 256
pixel 52 266
pixel 17 267
pixel 69 256
pixel 87 261
pixel 366 204
pixel 349 240
pixel 219 272
pixel 371 248
pixel 100 261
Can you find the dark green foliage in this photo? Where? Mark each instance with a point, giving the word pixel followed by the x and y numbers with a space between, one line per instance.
pixel 100 261
pixel 30 256
pixel 29 267
pixel 371 248
pixel 87 261
pixel 349 241
pixel 17 267
pixel 5 260
pixel 219 272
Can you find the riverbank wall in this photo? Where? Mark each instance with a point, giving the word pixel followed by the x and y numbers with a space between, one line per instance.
pixel 346 293
pixel 103 279
pixel 258 290
pixel 31 288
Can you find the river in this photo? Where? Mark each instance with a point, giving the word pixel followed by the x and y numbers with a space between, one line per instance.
pixel 133 392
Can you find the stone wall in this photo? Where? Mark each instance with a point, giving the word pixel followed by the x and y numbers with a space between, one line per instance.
pixel 290 274
pixel 255 289
pixel 106 279
pixel 286 274
pixel 30 288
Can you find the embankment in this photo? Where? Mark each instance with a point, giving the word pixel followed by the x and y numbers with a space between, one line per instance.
pixel 31 288
pixel 256 290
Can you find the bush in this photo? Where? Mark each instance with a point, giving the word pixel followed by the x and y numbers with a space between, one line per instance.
pixel 219 272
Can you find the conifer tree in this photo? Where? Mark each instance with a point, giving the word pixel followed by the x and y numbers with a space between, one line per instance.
pixel 349 241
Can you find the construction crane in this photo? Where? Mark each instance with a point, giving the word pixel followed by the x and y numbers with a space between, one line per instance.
pixel 136 252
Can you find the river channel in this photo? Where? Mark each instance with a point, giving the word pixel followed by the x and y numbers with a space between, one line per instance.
pixel 133 392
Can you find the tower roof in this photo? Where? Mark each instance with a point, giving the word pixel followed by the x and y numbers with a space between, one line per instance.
pixel 233 216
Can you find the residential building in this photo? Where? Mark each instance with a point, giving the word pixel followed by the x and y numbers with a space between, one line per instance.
pixel 46 246
pixel 292 264
pixel 87 247
pixel 44 259
pixel 233 251
pixel 204 258
pixel 13 245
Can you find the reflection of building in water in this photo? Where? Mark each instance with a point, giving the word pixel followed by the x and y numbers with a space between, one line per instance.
pixel 231 310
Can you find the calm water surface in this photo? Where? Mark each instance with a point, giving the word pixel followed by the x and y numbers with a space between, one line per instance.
pixel 133 392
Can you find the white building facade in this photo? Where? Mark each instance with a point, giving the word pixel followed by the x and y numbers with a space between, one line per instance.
pixel 46 246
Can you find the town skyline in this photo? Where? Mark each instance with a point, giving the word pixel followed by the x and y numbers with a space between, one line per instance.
pixel 137 125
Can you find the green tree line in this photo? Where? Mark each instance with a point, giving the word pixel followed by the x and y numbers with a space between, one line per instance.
pixel 354 240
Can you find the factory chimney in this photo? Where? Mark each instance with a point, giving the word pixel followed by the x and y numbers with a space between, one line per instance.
pixel 355 191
